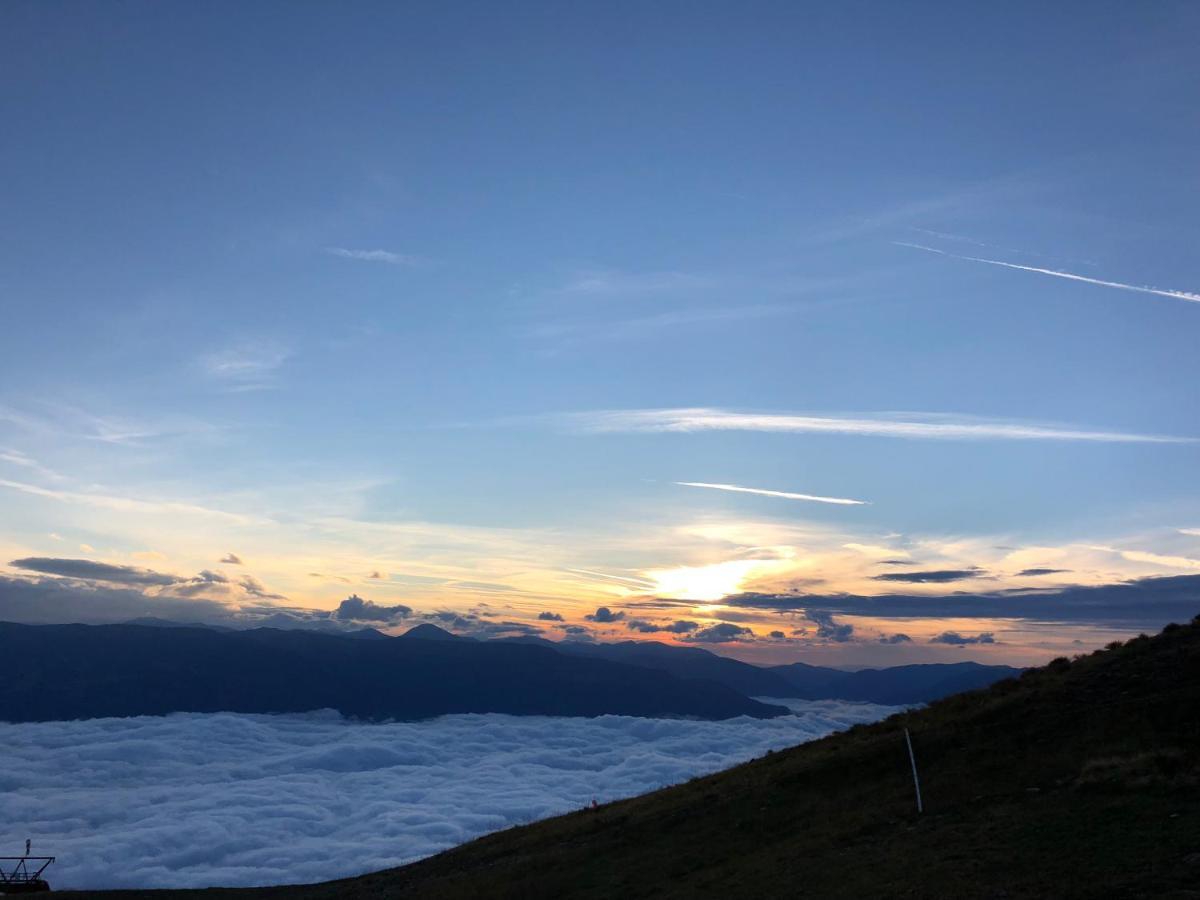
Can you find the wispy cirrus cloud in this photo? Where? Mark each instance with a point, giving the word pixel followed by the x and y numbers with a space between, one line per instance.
pixel 913 425
pixel 380 256
pixel 131 504
pixel 637 583
pixel 607 283
pixel 947 236
pixel 63 420
pixel 17 458
pixel 652 325
pixel 786 495
pixel 1158 559
pixel 247 365
pixel 1071 276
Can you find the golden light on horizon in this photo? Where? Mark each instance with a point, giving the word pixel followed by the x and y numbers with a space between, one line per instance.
pixel 711 582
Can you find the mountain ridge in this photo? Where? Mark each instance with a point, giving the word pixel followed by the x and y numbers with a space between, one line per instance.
pixel 55 672
pixel 889 686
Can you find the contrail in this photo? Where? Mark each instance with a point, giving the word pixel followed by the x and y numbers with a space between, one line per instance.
pixel 786 495
pixel 699 419
pixel 636 582
pixel 1071 276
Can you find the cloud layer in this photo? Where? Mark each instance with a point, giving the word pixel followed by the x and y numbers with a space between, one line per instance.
pixel 197 800
pixel 383 256
pixel 1143 602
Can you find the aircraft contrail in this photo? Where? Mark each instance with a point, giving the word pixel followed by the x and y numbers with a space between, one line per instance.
pixel 786 495
pixel 1178 295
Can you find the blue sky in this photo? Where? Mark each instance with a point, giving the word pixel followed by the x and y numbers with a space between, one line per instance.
pixel 407 300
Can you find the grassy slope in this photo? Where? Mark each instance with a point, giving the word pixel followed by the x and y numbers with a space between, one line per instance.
pixel 1076 780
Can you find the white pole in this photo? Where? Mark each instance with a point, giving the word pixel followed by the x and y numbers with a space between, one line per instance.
pixel 916 780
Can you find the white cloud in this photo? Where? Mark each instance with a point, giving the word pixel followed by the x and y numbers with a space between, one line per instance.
pixel 17 458
pixel 639 583
pixel 1178 295
pixel 194 800
pixel 247 365
pixel 61 420
pixel 383 256
pixel 131 504
pixel 1159 559
pixel 630 284
pixel 914 425
pixel 786 495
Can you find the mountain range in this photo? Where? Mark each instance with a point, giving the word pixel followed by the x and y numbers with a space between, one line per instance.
pixel 153 667
pixel 893 686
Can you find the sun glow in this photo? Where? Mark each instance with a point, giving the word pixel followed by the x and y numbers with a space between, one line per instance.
pixel 710 582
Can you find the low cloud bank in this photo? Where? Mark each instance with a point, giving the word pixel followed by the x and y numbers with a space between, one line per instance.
pixel 1145 603
pixel 194 800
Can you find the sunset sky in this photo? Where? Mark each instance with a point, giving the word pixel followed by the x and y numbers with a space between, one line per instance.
pixel 858 336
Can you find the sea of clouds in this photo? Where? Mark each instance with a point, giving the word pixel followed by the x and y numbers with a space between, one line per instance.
pixel 192 800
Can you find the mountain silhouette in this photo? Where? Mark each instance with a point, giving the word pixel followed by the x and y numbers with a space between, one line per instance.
pixel 50 672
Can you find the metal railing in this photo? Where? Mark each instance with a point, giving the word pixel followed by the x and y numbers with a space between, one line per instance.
pixel 22 869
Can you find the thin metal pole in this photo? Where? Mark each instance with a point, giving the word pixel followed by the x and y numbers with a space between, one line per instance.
pixel 916 780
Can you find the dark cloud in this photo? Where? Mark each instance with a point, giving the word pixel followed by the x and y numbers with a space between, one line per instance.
pixel 1042 571
pixel 203 600
pixel 828 629
pixel 355 609
pixel 231 559
pixel 934 576
pixel 474 624
pixel 897 562
pixel 681 626
pixel 254 588
pixel 896 638
pixel 206 584
pixel 604 614
pixel 778 635
pixel 1143 603
pixel 499 629
pixel 547 616
pixel 376 576
pixel 643 626
pixel 721 633
pixel 87 570
pixel 953 637
pixel 575 629
pixel 41 601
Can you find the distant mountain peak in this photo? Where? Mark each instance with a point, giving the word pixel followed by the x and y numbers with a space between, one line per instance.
pixel 429 632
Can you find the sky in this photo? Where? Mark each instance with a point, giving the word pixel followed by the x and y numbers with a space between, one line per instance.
pixel 852 333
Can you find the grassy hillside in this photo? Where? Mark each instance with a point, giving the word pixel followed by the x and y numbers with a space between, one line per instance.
pixel 1079 779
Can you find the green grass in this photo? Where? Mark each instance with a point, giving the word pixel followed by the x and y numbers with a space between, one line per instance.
pixel 1078 779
